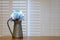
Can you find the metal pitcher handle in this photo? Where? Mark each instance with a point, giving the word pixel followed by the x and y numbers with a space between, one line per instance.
pixel 9 27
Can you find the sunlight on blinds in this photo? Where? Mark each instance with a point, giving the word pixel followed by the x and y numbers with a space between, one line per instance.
pixel 7 7
pixel 34 11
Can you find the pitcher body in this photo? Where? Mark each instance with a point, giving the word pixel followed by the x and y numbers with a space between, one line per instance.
pixel 17 29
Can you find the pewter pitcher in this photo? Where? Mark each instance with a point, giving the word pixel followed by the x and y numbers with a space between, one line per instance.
pixel 17 29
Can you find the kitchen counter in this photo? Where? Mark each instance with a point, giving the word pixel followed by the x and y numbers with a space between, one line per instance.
pixel 32 38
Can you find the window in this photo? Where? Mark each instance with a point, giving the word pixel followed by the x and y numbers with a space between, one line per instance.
pixel 7 6
pixel 34 17
pixel 31 10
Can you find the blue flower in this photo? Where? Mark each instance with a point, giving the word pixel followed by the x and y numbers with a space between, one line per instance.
pixel 17 15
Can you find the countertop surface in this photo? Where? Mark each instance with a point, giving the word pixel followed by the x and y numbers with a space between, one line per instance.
pixel 32 38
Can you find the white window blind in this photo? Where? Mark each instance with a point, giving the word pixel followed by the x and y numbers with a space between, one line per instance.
pixel 34 15
pixel 7 7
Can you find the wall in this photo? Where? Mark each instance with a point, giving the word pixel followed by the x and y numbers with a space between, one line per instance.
pixel 50 18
